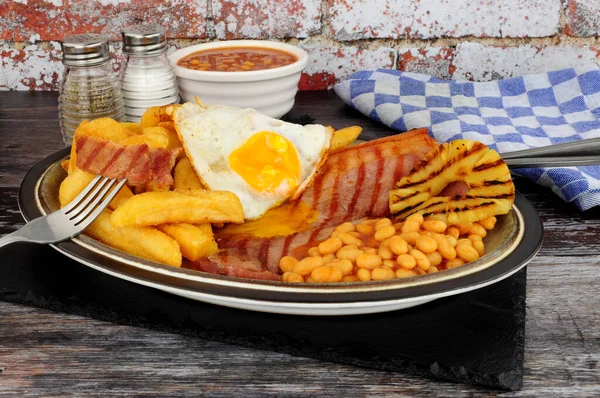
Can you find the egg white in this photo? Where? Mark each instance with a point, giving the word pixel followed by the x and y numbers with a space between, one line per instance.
pixel 210 133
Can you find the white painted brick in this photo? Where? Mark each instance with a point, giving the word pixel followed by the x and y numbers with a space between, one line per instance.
pixel 259 19
pixel 474 61
pixel 338 63
pixel 360 19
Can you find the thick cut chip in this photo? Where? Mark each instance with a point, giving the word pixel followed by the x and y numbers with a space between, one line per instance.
pixel 195 241
pixel 488 184
pixel 170 207
pixel 145 242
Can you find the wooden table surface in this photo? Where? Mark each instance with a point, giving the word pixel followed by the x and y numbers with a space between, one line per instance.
pixel 51 354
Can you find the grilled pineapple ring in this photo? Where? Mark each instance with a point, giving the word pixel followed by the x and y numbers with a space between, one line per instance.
pixel 490 187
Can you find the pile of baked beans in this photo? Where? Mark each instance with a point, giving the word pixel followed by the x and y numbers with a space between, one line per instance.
pixel 378 249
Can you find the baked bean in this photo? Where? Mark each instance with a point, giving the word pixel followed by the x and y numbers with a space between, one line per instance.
pixel 287 263
pixel 435 258
pixel 378 249
pixel 349 253
pixel 368 250
pixel 344 265
pixel 406 261
pixel 452 241
pixel 464 228
pixel 329 258
pixel 411 226
pixel 426 244
pixel 349 239
pixel 467 252
pixel 384 232
pixel 410 237
pixel 307 264
pixel 292 277
pixel 474 237
pixel 326 274
pixel 382 222
pixel 363 274
pixel 446 251
pixel 477 229
pixel 434 226
pixel 398 226
pixel 385 253
pixel 422 260
pixel 330 245
pixel 455 262
pixel 479 246
pixel 453 231
pixel 368 261
pixel 404 273
pixel 313 252
pixel 365 229
pixel 464 241
pixel 345 227
pixel 389 263
pixel 416 217
pixel 398 245
pixel 382 273
pixel 488 223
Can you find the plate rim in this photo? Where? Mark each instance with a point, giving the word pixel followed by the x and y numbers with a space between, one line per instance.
pixel 306 296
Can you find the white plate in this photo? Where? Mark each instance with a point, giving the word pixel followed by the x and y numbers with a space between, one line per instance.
pixel 510 246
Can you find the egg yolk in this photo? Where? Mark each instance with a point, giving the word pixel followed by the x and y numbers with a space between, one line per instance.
pixel 268 162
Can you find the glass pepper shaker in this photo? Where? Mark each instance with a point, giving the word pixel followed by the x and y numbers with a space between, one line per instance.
pixel 148 78
pixel 89 88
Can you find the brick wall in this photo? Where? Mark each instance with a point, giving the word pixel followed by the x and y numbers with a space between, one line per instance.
pixel 461 39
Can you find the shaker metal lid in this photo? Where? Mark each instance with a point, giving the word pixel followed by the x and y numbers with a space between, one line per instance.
pixel 85 49
pixel 144 39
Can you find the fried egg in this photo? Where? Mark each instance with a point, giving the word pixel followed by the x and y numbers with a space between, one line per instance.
pixel 264 161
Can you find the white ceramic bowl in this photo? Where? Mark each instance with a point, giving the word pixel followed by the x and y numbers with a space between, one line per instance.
pixel 270 91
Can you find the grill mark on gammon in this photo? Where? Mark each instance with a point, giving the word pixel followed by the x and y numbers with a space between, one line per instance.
pixel 263 254
pixel 113 160
pixel 332 204
pixel 378 174
pixel 136 155
pixel 360 179
pixel 95 151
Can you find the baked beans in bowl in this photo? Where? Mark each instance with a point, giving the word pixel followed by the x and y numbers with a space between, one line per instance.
pixel 259 74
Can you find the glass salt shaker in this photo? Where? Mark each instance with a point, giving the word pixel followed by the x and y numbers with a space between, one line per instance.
pixel 89 88
pixel 148 79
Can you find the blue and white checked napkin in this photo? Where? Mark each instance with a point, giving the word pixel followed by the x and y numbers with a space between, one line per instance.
pixel 507 115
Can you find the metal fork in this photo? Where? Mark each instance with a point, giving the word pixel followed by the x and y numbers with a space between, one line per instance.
pixel 70 220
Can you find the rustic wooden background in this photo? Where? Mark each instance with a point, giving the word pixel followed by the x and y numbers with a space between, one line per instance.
pixel 43 353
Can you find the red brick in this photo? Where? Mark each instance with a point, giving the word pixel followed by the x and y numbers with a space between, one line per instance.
pixel 328 65
pixel 33 67
pixel 425 19
pixel 583 18
pixel 42 20
pixel 247 19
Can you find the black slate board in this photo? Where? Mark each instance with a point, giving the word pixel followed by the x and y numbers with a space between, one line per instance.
pixel 475 337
